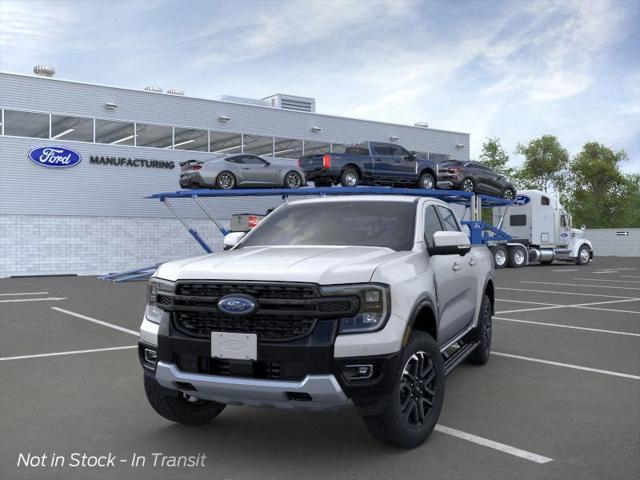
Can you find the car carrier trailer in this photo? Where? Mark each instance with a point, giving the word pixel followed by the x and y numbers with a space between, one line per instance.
pixel 507 251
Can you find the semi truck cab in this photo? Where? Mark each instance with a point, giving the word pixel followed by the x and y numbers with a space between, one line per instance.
pixel 538 223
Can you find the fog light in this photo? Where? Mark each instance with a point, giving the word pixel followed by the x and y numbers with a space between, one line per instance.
pixel 358 372
pixel 150 356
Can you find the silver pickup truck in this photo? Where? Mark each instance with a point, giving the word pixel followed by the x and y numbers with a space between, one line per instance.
pixel 355 301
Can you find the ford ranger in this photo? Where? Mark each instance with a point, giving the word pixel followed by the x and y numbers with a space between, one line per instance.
pixel 371 163
pixel 351 301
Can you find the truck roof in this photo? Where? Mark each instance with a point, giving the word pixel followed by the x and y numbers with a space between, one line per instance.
pixel 367 198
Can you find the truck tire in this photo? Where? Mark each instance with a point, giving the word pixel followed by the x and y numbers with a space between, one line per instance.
pixel 414 405
pixel 500 256
pixel 349 177
pixel 427 181
pixel 509 194
pixel 584 255
pixel 468 185
pixel 517 257
pixel 482 334
pixel 175 406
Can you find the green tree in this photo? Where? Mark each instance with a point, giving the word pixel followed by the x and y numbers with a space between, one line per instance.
pixel 600 195
pixel 495 157
pixel 630 215
pixel 545 164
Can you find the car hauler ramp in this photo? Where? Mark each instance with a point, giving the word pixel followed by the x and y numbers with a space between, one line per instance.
pixel 479 232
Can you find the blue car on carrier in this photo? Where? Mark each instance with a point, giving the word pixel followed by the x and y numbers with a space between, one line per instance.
pixel 370 163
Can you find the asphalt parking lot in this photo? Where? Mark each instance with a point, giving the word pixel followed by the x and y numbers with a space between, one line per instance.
pixel 560 397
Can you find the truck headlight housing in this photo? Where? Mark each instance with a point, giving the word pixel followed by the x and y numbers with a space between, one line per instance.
pixel 375 306
pixel 155 290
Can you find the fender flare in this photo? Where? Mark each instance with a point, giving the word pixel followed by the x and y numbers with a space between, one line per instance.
pixel 424 300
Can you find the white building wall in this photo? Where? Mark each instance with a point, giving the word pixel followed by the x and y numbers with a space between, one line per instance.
pixel 83 245
pixel 612 242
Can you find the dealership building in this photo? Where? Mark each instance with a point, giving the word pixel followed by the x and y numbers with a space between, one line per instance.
pixel 91 217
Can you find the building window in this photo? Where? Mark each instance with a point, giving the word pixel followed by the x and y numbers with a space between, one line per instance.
pixel 191 139
pixel 71 128
pixel 258 145
pixel 26 124
pixel 316 148
pixel 157 136
pixel 225 143
pixel 115 133
pixel 287 148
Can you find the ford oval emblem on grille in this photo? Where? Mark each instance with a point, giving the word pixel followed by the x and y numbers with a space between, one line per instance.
pixel 237 305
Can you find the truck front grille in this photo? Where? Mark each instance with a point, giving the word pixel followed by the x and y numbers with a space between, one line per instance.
pixel 285 311
pixel 267 327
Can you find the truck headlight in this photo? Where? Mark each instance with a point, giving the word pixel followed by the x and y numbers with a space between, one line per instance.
pixel 375 306
pixel 155 290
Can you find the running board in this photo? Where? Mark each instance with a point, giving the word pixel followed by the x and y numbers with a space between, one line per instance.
pixel 458 356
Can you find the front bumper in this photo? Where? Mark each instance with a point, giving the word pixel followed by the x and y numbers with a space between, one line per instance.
pixel 314 392
pixel 300 374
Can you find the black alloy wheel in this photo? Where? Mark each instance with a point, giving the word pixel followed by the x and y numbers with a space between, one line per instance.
pixel 418 388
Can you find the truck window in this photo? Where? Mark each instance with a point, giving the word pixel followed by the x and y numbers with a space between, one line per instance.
pixel 398 151
pixel 381 149
pixel 544 200
pixel 346 223
pixel 431 225
pixel 563 221
pixel 449 222
pixel 518 220
pixel 356 151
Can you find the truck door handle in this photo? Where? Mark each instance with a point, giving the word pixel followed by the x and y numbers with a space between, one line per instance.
pixel 456 267
pixel 472 261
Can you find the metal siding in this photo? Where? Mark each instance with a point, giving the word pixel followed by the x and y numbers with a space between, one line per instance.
pixel 26 188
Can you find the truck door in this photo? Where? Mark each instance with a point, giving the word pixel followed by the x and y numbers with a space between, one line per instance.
pixel 403 165
pixel 383 161
pixel 455 283
pixel 565 230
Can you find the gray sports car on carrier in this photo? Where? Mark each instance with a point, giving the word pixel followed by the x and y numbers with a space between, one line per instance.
pixel 244 170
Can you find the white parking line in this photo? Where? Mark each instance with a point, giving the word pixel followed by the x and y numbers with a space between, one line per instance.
pixel 633 312
pixel 485 442
pixel 71 352
pixel 545 324
pixel 567 365
pixel 566 270
pixel 526 301
pixel 23 293
pixel 95 320
pixel 47 299
pixel 606 280
pixel 580 285
pixel 563 293
pixel 576 305
pixel 606 271
pixel 629 276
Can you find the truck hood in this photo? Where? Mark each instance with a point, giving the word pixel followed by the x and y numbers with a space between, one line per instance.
pixel 322 265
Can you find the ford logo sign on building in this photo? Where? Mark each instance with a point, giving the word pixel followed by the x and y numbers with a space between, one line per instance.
pixel 236 305
pixel 55 157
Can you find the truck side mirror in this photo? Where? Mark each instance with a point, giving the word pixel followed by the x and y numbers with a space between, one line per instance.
pixel 450 243
pixel 411 156
pixel 232 239
pixel 583 228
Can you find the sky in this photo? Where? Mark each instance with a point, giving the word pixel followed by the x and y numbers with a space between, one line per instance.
pixel 514 69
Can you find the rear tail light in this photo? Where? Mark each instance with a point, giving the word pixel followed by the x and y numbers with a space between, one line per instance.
pixel 455 170
pixel 299 162
pixel 326 161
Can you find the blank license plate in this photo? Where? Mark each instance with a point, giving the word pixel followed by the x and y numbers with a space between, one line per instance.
pixel 234 346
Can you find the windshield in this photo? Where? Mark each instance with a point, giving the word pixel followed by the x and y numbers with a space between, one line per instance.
pixel 357 223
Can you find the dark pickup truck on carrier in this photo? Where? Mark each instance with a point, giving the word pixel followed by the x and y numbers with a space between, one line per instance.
pixel 370 163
